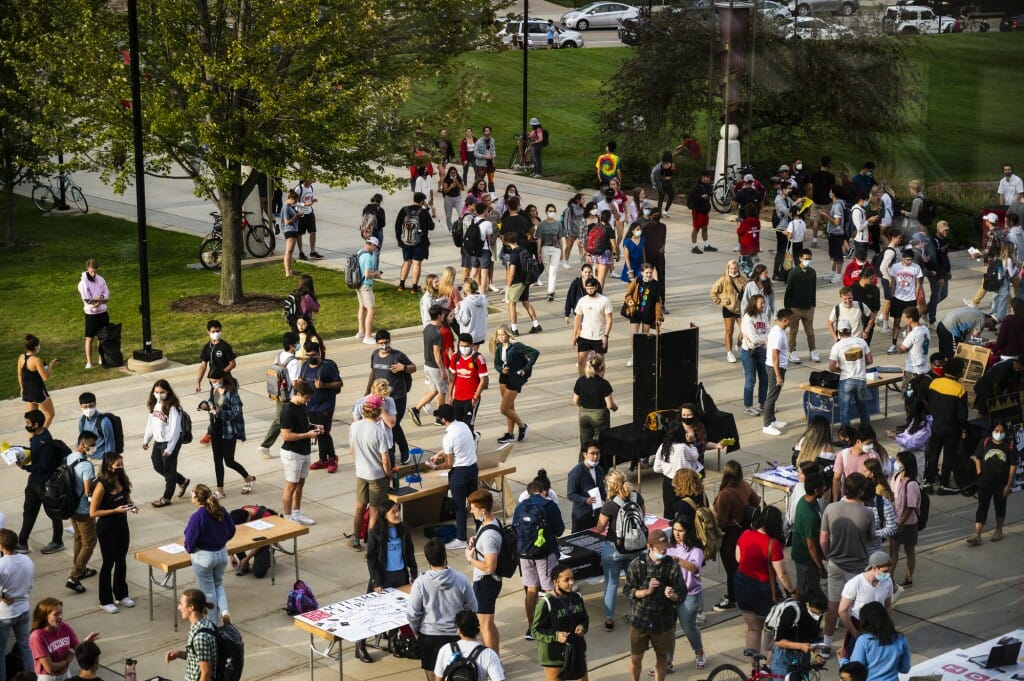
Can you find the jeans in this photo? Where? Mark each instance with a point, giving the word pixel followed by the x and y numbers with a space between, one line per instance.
pixel 939 292
pixel 754 369
pixel 167 466
pixel 34 492
pixel 114 538
pixel 1001 301
pixel 774 390
pixel 784 661
pixel 855 389
pixel 946 341
pixel 208 567
pixel 614 564
pixel 686 612
pixel 19 626
pixel 461 482
pixel 538 167
pixel 747 265
pixel 224 454
pixel 592 422
pixel 551 256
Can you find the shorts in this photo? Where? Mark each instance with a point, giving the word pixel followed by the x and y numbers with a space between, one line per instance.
pixel 886 290
pixel 512 381
pixel 486 590
pixel 484 261
pixel 752 596
pixel 365 296
pixel 372 492
pixel 729 314
pixel 897 306
pixel 587 345
pixel 837 579
pixel 292 232
pixel 537 571
pixel 437 379
pixel 662 641
pixel 700 220
pixel 95 322
pixel 35 398
pixel 517 292
pixel 296 466
pixel 430 645
pixel 307 223
pixel 603 259
pixel 835 247
pixel 907 536
pixel 418 252
pixel 551 41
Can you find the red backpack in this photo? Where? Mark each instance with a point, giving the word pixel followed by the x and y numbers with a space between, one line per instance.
pixel 597 241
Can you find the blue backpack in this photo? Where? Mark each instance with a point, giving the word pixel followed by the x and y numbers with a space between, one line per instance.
pixel 530 523
pixel 300 599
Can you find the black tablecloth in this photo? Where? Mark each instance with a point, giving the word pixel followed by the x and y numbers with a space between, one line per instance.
pixel 628 442
pixel 584 553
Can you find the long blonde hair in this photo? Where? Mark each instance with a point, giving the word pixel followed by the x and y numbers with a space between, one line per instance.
pixel 494 338
pixel 593 367
pixel 446 282
pixel 617 484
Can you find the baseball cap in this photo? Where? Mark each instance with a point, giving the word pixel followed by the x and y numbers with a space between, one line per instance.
pixel 748 178
pixel 373 402
pixel 373 240
pixel 991 217
pixel 879 559
pixel 657 539
pixel 844 325
pixel 783 167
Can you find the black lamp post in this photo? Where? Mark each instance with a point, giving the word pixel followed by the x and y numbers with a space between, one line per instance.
pixel 526 52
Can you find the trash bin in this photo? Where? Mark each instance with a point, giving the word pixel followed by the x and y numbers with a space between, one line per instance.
pixel 110 346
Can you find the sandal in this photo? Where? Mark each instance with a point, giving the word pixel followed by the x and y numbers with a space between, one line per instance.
pixel 183 487
pixel 250 482
pixel 161 502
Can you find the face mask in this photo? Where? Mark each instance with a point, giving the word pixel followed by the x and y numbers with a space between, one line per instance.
pixel 592 213
pixel 159 397
pixel 764 277
pixel 689 421
pixel 884 577
pixel 511 194
pixel 805 263
pixel 215 335
pixel 734 274
pixel 647 211
pixel 30 429
pixel 816 616
pixel 656 556
pixel 998 437
pixel 385 348
pixel 465 350
pixel 552 214
pixel 91 450
pixel 800 166
pixel 89 412
pixel 898 467
pixel 313 359
pixel 637 232
pixel 590 464
pixel 868 448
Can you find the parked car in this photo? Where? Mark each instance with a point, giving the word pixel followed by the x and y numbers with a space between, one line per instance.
pixel 917 19
pixel 813 28
pixel 598 15
pixel 773 11
pixel 807 8
pixel 1012 23
pixel 512 34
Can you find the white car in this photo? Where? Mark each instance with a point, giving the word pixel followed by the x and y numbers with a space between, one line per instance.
pixel 599 15
pixel 773 11
pixel 813 28
pixel 916 19
pixel 512 34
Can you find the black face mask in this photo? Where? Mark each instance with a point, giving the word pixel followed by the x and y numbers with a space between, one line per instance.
pixel 689 421
pixel 90 277
pixel 313 360
pixel 31 429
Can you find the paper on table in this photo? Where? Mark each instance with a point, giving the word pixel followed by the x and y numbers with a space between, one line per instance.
pixel 172 548
pixel 596 494
pixel 259 525
pixel 443 474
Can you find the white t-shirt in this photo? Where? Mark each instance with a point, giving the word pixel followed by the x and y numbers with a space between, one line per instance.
pixel 888 256
pixel 487 661
pixel 594 310
pixel 886 220
pixel 851 353
pixel 1009 189
pixel 854 314
pixel 860 224
pixel 777 340
pixel 305 193
pixel 906 277
pixel 861 592
pixel 486 231
pixel 797 228
pixel 459 442
pixel 916 344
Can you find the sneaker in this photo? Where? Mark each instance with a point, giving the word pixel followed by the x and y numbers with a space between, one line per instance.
pixel 780 424
pixel 536 329
pixel 369 341
pixel 907 583
pixel 794 358
pixel 315 256
pixel 515 332
pixel 126 602
pixel 815 357
pixel 629 362
pixel 111 608
pixel 814 242
pixel 974 540
pixel 302 518
pixel 892 349
pixel 332 464
pixel 522 432
pixel 75 585
pixel 550 297
pixel 404 458
pixel 768 430
pixel 664 310
pixel 736 249
pixel 493 289
pixel 302 256
pixel 701 661
pixel 942 491
pixel 528 635
pixel 506 438
pixel 750 411
pixel 897 593
pixel 997 535
pixel 928 488
pixel 88 365
pixel 885 326
pixel 89 572
pixel 566 265
pixel 695 250
pixel 730 358
pixel 265 452
pixel 414 414
pixel 354 544
pixel 53 547
pixel 969 303
pixel 724 604
pixel 437 422
pixel 666 214
pixel 708 248
pixel 456 545
pixel 318 465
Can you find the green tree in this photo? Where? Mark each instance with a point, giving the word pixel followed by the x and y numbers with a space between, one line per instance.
pixel 286 87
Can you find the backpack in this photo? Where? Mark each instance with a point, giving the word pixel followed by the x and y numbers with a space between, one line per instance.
pixel 459 229
pixel 186 428
pixel 411 233
pixel 279 383
pixel 463 668
pixel 530 523
pixel 994 275
pixel 630 529
pixel 353 272
pixel 291 308
pixel 597 241
pixel 508 558
pixel 230 652
pixel 473 240
pixel 300 599
pixel 531 267
pixel 368 224
pixel 545 139
pixel 897 207
pixel 59 495
pixel 115 425
pixel 926 213
pixel 771 622
pixel 708 531
pixel 876 260
pixel 926 507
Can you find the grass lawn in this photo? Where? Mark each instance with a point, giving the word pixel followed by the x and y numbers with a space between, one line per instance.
pixel 41 277
pixel 965 131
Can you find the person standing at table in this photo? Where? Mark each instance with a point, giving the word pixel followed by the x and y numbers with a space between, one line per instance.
pixel 620 492
pixel 368 447
pixel 458 449
pixel 584 477
pixel 207 534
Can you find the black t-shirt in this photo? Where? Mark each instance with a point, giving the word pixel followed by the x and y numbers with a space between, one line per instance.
pixel 592 392
pixel 381 367
pixel 867 295
pixel 996 459
pixel 296 419
pixel 823 182
pixel 431 338
pixel 216 355
pixel 518 223
pixel 748 195
pixel 798 629
pixel 515 257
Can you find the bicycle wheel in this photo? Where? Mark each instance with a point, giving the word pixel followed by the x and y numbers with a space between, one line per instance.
pixel 514 160
pixel 528 160
pixel 721 197
pixel 259 240
pixel 79 198
pixel 727 672
pixel 43 197
pixel 210 252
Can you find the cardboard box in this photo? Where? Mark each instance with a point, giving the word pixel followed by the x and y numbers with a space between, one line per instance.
pixel 975 359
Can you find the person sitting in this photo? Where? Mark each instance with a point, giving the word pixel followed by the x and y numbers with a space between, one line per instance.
pixel 256 561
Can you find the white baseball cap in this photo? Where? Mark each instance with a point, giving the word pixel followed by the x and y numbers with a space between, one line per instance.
pixel 991 217
pixel 373 240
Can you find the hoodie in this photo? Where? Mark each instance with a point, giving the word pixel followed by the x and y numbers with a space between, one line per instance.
pixel 436 596
pixel 471 314
pixel 93 289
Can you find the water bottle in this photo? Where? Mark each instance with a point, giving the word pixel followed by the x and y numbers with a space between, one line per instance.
pixel 394 480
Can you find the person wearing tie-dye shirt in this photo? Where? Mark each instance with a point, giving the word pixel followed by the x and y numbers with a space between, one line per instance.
pixel 608 166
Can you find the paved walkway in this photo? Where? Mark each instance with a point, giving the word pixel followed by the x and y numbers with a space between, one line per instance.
pixel 961 595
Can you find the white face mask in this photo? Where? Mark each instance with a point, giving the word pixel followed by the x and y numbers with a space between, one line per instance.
pixel 552 214
pixel 800 166
pixel 465 350
pixel 89 412
pixel 637 232
pixel 868 448
pixel 215 335
pixel 998 437
pixel 91 450
pixel 159 397
pixel 657 556
pixel 590 464
pixel 816 616
pixel 805 263
pixel 898 467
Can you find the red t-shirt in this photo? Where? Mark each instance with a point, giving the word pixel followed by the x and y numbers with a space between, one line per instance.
pixel 753 548
pixel 749 232
pixel 56 644
pixel 469 372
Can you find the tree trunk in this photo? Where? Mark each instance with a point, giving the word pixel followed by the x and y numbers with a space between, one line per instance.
pixel 9 214
pixel 231 263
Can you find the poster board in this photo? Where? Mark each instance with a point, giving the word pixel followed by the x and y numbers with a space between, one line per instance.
pixel 975 359
pixel 360 617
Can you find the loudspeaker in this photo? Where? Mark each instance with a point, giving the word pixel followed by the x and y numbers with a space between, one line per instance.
pixel 664 371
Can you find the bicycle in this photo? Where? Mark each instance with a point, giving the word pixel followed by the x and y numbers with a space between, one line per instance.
pixel 45 196
pixel 730 672
pixel 259 241
pixel 724 190
pixel 522 156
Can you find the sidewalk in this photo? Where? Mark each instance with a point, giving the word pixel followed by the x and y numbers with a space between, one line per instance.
pixel 961 595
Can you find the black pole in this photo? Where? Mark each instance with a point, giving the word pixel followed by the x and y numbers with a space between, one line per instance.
pixel 526 52
pixel 147 353
pixel 62 186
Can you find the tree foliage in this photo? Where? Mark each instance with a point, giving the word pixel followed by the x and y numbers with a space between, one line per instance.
pixel 822 92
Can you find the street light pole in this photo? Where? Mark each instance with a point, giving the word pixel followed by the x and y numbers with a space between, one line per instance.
pixel 526 52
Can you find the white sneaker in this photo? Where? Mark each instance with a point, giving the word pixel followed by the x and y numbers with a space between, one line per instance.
pixel 566 265
pixel 837 278
pixel 885 326
pixel 265 453
pixel 736 250
pixel 968 303
pixel 892 349
pixel 111 608
pixel 771 430
pixel 126 602
pixel 730 358
pixel 814 242
pixel 780 424
pixel 88 365
pixel 456 545
pixel 794 358
pixel 302 518
pixel 815 357
pixel 629 362
pixel 666 214
pixel 368 341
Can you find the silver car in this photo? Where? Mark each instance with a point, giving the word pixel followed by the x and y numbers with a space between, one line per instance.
pixel 599 15
pixel 809 8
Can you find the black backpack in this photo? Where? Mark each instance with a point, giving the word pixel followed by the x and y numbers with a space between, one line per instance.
pixel 531 267
pixel 411 233
pixel 463 668
pixel 531 524
pixel 926 506
pixel 115 425
pixel 186 428
pixel 230 652
pixel 546 139
pixel 473 240
pixel 876 261
pixel 508 557
pixel 994 276
pixel 60 498
pixel 926 213
pixel 459 229
pixel 324 363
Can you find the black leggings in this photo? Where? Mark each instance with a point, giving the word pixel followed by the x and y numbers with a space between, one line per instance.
pixel 728 554
pixel 990 492
pixel 166 466
pixel 224 453
pixel 114 538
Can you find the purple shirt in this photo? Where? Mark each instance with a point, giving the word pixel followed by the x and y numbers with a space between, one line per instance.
pixel 204 533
